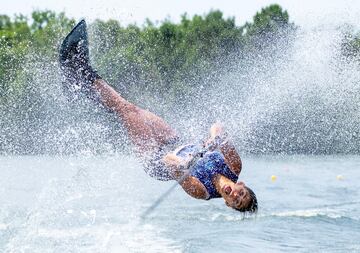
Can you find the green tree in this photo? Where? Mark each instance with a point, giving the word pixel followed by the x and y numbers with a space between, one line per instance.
pixel 268 26
pixel 169 61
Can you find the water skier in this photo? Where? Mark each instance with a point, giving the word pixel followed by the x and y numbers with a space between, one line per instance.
pixel 204 171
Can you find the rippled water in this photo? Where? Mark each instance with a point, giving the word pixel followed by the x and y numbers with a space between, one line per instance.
pixel 93 204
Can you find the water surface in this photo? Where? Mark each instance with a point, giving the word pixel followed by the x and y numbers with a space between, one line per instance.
pixel 93 204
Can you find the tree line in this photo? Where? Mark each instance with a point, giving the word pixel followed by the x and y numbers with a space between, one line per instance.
pixel 168 55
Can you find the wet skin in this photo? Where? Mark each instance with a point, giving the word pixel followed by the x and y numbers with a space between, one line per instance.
pixel 236 195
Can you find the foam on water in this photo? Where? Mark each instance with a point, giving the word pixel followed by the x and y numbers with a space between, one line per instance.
pixel 103 238
pixel 309 213
pixel 3 226
pixel 71 213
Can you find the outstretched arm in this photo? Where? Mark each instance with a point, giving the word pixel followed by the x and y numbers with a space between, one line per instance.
pixel 217 138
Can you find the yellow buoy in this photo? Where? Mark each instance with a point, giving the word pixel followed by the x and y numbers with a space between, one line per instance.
pixel 339 177
pixel 273 178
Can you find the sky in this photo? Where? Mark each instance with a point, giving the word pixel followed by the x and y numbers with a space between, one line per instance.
pixel 302 12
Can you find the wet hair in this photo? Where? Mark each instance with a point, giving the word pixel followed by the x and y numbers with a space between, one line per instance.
pixel 253 204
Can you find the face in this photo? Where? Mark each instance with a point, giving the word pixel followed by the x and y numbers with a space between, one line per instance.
pixel 236 195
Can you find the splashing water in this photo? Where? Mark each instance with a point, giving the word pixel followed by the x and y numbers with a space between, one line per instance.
pixel 303 101
pixel 302 98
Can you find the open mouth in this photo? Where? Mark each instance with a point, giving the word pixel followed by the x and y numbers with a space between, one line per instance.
pixel 227 189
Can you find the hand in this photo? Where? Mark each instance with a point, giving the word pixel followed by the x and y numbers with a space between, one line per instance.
pixel 177 166
pixel 178 171
pixel 216 129
pixel 182 169
pixel 217 136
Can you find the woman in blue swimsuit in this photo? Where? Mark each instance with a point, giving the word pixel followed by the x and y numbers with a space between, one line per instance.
pixel 204 171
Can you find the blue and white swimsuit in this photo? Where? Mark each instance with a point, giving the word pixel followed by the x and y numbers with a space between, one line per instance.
pixel 204 168
pixel 207 167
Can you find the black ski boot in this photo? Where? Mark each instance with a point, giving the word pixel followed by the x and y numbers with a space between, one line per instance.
pixel 75 63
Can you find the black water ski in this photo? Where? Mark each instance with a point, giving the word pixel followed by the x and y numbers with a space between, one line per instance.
pixel 75 63
pixel 75 45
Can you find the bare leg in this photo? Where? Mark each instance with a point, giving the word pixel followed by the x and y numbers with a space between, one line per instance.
pixel 146 130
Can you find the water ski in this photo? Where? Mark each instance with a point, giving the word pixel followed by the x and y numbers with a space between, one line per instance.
pixel 75 63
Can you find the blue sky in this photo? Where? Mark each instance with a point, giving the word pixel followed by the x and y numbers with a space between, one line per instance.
pixel 305 12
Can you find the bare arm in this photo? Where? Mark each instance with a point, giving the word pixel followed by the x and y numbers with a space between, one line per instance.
pixel 190 184
pixel 232 158
pixel 194 187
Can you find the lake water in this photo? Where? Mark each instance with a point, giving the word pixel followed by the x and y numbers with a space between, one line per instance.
pixel 93 204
